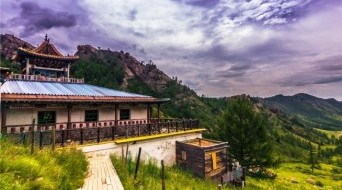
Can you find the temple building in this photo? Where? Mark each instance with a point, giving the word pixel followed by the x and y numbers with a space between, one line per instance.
pixel 44 93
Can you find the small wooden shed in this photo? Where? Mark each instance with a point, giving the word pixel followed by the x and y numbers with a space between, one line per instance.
pixel 203 157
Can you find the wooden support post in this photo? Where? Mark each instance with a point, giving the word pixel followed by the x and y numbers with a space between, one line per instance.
pixel 122 153
pixel 149 128
pixel 81 135
pixel 116 115
pixel 3 118
pixel 40 139
pixel 126 157
pixel 27 66
pixel 32 137
pixel 159 127
pixel 148 113
pixel 53 138
pixel 163 175
pixel 98 133
pixel 113 132
pixel 158 112
pixel 137 165
pixel 63 137
pixel 68 73
pixel 184 124
pixel 177 126
pixel 69 107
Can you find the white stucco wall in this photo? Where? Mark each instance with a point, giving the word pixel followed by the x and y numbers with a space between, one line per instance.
pixel 106 114
pixel 139 113
pixel 20 116
pixel 25 116
pixel 155 149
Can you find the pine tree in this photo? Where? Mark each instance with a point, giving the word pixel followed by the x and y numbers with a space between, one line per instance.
pixel 245 131
pixel 312 158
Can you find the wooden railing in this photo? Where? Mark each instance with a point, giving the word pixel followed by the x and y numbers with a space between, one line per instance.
pixel 43 78
pixel 96 131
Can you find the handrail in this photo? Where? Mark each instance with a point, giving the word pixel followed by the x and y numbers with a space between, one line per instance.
pixel 43 78
pixel 97 132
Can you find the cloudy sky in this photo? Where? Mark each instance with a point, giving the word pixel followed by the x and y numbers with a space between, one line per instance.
pixel 218 48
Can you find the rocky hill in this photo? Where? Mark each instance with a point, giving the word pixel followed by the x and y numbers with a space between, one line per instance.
pixel 9 45
pixel 148 74
pixel 292 118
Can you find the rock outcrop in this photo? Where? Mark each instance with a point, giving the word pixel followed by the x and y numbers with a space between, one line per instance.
pixel 147 73
pixel 9 45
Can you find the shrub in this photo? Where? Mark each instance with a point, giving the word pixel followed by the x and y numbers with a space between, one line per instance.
pixel 319 183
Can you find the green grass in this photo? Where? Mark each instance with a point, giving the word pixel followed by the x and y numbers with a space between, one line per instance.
pixel 149 177
pixel 19 169
pixel 327 177
pixel 330 133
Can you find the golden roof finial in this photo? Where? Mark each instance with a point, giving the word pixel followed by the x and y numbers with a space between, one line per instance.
pixel 46 37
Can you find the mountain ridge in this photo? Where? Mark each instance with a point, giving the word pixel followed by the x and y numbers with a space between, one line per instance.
pixel 120 70
pixel 292 119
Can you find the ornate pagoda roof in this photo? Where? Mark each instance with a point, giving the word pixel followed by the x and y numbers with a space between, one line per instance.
pixel 46 50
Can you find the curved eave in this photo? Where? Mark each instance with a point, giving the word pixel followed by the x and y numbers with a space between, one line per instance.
pixel 55 98
pixel 64 58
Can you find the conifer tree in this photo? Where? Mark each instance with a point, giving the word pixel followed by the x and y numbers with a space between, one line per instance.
pixel 245 131
pixel 312 158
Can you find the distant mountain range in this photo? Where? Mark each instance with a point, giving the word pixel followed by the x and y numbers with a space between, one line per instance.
pixel 310 110
pixel 120 70
pixel 293 119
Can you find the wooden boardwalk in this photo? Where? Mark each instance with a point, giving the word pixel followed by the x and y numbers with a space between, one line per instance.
pixel 101 173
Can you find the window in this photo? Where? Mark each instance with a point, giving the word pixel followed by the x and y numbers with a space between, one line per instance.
pixel 125 114
pixel 46 117
pixel 91 115
pixel 214 160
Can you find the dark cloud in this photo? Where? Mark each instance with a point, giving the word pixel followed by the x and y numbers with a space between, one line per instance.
pixel 37 19
pixel 200 3
pixel 230 74
pixel 240 67
pixel 132 14
pixel 331 64
pixel 329 80
pixel 271 51
pixel 236 71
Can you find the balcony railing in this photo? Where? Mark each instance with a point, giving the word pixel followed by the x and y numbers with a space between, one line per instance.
pixel 82 132
pixel 43 78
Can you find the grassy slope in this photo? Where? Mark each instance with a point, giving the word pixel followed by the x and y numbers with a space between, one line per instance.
pixel 149 177
pixel 327 176
pixel 63 169
pixel 312 111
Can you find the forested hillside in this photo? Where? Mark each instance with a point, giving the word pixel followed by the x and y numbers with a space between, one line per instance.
pixel 122 71
pixel 292 119
pixel 311 111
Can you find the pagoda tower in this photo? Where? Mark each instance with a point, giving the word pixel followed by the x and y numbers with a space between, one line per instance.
pixel 45 60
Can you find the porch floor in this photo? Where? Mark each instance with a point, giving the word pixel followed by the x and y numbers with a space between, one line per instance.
pixel 101 173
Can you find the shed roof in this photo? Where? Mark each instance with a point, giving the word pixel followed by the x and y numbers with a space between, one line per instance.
pixel 16 90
